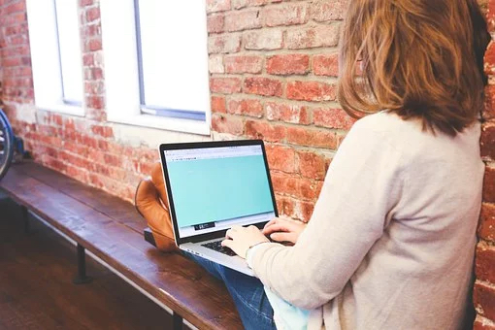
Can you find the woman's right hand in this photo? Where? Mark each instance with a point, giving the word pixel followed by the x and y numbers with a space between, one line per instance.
pixel 283 229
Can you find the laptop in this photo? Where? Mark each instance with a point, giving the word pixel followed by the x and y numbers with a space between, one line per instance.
pixel 212 186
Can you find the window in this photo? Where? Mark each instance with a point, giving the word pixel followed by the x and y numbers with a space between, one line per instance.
pixel 56 55
pixel 156 64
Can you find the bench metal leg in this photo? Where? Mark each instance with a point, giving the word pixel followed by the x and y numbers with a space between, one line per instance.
pixel 177 321
pixel 81 277
pixel 25 218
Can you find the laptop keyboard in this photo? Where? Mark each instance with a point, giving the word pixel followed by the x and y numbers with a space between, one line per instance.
pixel 218 247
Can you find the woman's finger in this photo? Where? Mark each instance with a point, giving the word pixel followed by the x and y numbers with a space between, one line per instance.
pixel 271 222
pixel 284 237
pixel 274 228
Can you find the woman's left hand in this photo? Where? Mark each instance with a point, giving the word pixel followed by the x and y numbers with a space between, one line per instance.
pixel 240 239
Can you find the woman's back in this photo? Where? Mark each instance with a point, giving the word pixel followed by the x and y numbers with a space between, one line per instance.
pixel 397 215
pixel 417 275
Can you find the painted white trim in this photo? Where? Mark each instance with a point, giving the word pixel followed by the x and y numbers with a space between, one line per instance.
pixel 122 73
pixel 45 60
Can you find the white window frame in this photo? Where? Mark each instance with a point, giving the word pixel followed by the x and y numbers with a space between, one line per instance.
pixel 45 59
pixel 122 88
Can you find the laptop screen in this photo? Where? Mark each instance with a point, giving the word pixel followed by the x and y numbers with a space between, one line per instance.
pixel 215 188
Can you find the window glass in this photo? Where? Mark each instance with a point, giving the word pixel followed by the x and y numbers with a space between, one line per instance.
pixel 173 57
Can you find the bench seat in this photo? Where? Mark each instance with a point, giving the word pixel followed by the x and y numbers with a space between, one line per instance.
pixel 111 229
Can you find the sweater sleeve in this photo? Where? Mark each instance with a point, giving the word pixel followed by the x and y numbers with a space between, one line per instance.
pixel 360 190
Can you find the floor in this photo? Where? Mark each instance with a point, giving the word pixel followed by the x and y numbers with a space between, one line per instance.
pixel 36 290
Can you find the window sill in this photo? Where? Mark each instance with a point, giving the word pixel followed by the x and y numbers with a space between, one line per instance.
pixel 63 108
pixel 164 123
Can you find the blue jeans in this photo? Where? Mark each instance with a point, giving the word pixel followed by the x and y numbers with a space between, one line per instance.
pixel 246 291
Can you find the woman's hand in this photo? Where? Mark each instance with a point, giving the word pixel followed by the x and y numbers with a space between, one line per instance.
pixel 283 229
pixel 240 239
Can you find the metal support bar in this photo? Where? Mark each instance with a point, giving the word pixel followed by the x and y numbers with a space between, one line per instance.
pixel 25 218
pixel 81 277
pixel 177 321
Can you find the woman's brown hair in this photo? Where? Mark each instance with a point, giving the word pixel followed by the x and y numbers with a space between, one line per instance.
pixel 418 58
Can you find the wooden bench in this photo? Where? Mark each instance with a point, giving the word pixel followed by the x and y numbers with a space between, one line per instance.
pixel 112 231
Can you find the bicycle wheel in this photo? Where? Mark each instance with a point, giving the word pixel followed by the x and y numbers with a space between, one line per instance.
pixel 6 144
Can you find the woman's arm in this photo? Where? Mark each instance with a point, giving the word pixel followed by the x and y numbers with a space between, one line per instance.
pixel 360 190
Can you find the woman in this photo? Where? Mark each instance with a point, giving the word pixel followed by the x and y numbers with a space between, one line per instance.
pixel 390 244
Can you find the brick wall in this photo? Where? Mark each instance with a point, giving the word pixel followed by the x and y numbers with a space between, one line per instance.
pixel 273 69
pixel 484 290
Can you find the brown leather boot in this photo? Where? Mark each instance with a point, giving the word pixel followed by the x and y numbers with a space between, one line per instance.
pixel 149 205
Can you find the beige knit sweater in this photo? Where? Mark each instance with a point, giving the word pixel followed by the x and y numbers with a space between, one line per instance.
pixel 391 241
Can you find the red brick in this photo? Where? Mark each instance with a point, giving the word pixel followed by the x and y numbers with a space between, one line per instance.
pixel 88 59
pixel 239 4
pixel 76 173
pixel 484 300
pixel 94 87
pixel 489 110
pixel 486 229
pixel 263 40
pixel 243 64
pixel 313 37
pixel 12 61
pixel 482 323
pixel 243 20
pixel 76 148
pixel 289 113
pixel 488 141
pixel 281 158
pixel 218 104
pixel 74 160
pixel 489 185
pixel 490 59
pixel 92 73
pixel 53 163
pixel 311 138
pixel 311 165
pixel 247 107
pixel 490 15
pixel 285 205
pixel 311 91
pixel 284 183
pixel 92 14
pixel 103 131
pixel 328 10
pixel 217 5
pixel 113 160
pixel 224 44
pixel 263 86
pixel 90 31
pixel 95 102
pixel 19 6
pixel 300 188
pixel 291 14
pixel 215 23
pixel 332 118
pixel 225 85
pixel 223 124
pixel 326 65
pixel 303 210
pixel 485 259
pixel 93 45
pixel 309 189
pixel 264 131
pixel 289 64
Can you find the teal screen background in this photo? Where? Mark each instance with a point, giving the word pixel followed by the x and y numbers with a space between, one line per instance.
pixel 208 190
